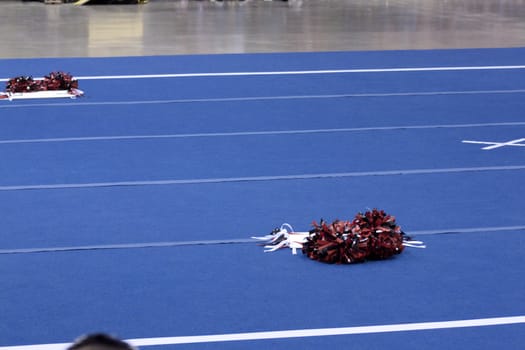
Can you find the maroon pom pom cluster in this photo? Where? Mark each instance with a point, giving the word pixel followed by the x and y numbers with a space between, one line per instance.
pixel 52 81
pixel 373 235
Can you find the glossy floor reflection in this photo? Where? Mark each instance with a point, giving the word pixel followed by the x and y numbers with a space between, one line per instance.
pixel 166 27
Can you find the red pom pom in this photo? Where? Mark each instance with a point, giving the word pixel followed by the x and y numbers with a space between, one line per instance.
pixel 373 235
pixel 54 81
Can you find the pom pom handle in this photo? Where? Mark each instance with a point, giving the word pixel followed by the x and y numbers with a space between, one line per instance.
pixel 283 237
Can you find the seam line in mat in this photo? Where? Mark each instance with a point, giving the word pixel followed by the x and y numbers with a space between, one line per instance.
pixel 258 133
pixel 260 98
pixel 259 178
pixel 235 241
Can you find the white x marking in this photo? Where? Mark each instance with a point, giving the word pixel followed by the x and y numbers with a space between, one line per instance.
pixel 493 145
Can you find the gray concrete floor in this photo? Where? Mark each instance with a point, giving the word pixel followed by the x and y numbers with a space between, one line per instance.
pixel 167 27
